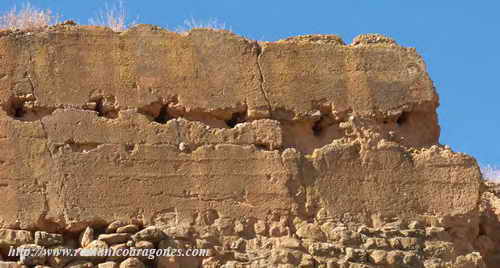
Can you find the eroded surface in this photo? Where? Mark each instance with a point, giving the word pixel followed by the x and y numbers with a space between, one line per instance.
pixel 98 126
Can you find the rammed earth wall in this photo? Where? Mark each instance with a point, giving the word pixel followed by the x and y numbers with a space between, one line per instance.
pixel 305 151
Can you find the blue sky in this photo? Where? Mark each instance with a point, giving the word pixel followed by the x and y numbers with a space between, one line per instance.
pixel 458 39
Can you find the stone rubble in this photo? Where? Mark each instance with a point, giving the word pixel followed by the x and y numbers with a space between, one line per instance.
pixel 316 244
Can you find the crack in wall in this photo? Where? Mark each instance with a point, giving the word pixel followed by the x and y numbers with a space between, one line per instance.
pixel 181 146
pixel 262 79
pixel 44 193
pixel 47 143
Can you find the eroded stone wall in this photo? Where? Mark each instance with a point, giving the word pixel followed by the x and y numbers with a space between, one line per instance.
pixel 305 151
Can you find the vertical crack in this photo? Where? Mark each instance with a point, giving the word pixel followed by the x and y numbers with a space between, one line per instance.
pixel 46 205
pixel 30 71
pixel 47 142
pixel 261 78
pixel 62 186
pixel 178 136
pixel 57 173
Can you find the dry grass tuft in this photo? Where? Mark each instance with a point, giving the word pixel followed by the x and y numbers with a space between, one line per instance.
pixel 491 173
pixel 114 17
pixel 193 24
pixel 27 18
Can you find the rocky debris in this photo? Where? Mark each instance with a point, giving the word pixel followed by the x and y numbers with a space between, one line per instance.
pixel 289 242
pixel 488 240
pixel 117 248
pixel 86 237
pixel 371 39
pixel 144 245
pixel 15 238
pixel 131 228
pixel 378 256
pixel 108 264
pixel 311 231
pixel 34 255
pixel 183 232
pixel 470 260
pixel 59 260
pixel 11 264
pixel 80 264
pixel 152 234
pixel 113 227
pixel 47 239
pixel 132 263
pixel 323 243
pixel 117 238
pixel 97 245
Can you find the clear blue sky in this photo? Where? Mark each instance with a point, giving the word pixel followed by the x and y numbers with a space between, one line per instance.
pixel 458 39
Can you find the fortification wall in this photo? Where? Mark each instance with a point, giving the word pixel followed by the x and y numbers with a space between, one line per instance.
pixel 306 139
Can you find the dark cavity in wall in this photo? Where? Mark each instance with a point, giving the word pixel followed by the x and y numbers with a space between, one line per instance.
pixel 163 116
pixel 18 110
pixel 104 107
pixel 235 119
pixel 317 128
pixel 15 107
pixel 24 108
pixel 402 119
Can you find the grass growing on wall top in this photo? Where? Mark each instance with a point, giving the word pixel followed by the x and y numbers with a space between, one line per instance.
pixel 27 18
pixel 491 173
pixel 114 16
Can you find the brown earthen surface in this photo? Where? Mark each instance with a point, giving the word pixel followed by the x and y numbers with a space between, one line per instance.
pixel 305 152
